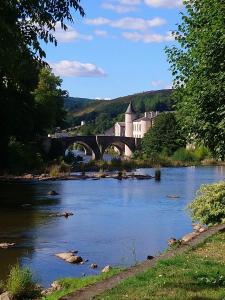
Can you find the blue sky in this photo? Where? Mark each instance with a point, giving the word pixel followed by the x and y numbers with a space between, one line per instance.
pixel 117 49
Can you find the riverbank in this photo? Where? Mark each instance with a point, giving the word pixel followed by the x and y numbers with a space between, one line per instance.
pixel 194 269
pixel 94 176
pixel 117 169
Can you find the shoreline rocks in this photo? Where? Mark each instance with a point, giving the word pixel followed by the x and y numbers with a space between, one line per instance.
pixel 106 269
pixel 94 266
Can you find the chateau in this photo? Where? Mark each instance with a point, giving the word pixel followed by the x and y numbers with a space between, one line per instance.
pixel 133 127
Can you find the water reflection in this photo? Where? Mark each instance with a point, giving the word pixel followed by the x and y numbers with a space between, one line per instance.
pixel 112 219
pixel 21 211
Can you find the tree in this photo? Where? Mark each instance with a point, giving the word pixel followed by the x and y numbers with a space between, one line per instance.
pixel 198 68
pixel 49 100
pixel 23 25
pixel 164 136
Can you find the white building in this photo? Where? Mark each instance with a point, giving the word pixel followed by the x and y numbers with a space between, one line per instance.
pixel 133 127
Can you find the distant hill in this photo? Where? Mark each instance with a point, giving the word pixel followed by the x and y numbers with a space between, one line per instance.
pixel 76 104
pixel 91 110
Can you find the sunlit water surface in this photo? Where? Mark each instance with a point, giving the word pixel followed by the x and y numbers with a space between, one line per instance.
pixel 115 222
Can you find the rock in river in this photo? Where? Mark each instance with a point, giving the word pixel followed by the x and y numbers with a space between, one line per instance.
pixel 70 257
pixel 7 245
pixel 52 193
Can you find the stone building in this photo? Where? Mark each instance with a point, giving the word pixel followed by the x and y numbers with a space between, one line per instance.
pixel 134 127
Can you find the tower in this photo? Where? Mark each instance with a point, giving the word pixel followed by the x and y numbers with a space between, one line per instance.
pixel 129 118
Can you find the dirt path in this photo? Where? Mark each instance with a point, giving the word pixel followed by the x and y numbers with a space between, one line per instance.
pixel 91 291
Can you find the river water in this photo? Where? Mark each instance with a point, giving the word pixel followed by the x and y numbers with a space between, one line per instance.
pixel 115 222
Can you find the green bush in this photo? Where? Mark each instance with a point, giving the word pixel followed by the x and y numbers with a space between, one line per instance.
pixel 21 284
pixel 23 157
pixel 184 155
pixel 202 153
pixel 209 205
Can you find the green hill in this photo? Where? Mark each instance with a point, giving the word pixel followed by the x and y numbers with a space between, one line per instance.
pixel 76 104
pixel 102 114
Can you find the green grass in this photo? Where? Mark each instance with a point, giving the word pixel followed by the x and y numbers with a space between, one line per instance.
pixel 198 274
pixel 70 285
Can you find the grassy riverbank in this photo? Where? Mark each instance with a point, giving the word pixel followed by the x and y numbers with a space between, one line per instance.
pixel 70 285
pixel 197 274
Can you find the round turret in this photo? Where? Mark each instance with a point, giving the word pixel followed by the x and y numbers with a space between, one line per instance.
pixel 129 118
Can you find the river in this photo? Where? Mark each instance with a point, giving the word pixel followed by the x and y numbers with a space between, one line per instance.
pixel 115 222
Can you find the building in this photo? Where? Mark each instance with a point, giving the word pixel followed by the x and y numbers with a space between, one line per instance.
pixel 134 127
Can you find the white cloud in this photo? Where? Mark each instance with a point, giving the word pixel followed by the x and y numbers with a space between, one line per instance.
pixel 72 68
pixel 69 35
pixel 102 33
pixel 128 23
pixel 97 22
pixel 148 37
pixel 164 3
pixel 168 86
pixel 130 2
pixel 156 83
pixel 118 8
pixel 137 23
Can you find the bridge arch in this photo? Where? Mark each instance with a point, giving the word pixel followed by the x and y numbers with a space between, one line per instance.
pixel 117 141
pixel 118 145
pixel 86 148
pixel 88 142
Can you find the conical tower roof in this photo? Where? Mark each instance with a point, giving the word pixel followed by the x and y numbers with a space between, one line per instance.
pixel 130 109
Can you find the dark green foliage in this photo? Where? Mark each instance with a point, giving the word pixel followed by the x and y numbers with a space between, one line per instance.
pixel 49 101
pixel 23 157
pixel 198 68
pixel 163 137
pixel 75 104
pixel 23 25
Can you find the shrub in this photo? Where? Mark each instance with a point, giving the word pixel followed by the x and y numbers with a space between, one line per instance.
pixel 58 169
pixel 209 205
pixel 184 155
pixel 23 157
pixel 202 153
pixel 116 162
pixel 21 283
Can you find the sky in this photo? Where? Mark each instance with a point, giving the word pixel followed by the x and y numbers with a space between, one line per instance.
pixel 117 49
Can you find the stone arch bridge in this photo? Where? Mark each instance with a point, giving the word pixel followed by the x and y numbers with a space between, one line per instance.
pixel 93 145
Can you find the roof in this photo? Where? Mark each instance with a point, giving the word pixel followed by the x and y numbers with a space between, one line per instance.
pixel 130 109
pixel 121 123
pixel 143 119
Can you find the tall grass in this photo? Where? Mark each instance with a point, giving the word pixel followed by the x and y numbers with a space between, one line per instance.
pixel 21 284
pixel 59 169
